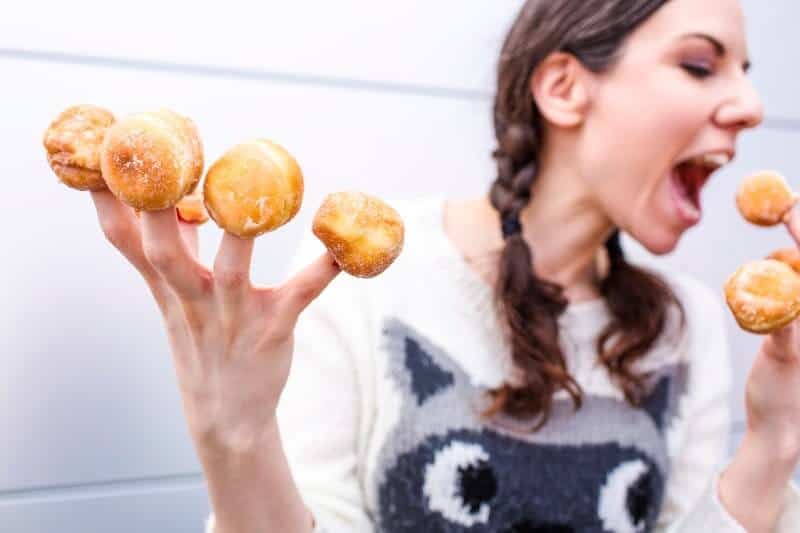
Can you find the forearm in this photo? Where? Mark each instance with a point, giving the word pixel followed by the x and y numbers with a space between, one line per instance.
pixel 255 491
pixel 754 485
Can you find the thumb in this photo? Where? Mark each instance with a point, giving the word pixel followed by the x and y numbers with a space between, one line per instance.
pixel 783 344
pixel 309 283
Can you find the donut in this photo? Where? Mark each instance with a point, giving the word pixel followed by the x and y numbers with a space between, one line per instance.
pixel 151 160
pixel 191 207
pixel 73 143
pixel 255 187
pixel 764 295
pixel 362 233
pixel 764 198
pixel 790 256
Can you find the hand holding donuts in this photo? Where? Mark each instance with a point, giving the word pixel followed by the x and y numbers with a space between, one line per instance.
pixel 764 295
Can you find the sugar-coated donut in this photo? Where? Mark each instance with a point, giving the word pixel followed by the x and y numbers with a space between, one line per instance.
pixel 764 198
pixel 191 207
pixel 764 295
pixel 363 233
pixel 73 143
pixel 151 160
pixel 255 187
pixel 790 256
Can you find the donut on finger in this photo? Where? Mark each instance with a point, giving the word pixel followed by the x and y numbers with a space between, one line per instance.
pixel 763 295
pixel 151 160
pixel 764 198
pixel 191 208
pixel 255 187
pixel 73 142
pixel 363 233
pixel 790 256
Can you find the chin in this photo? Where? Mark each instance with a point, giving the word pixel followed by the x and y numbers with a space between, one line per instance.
pixel 659 243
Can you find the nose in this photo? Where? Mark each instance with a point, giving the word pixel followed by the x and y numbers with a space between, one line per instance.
pixel 742 109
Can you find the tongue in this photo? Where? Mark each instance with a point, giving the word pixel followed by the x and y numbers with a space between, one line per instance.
pixel 692 176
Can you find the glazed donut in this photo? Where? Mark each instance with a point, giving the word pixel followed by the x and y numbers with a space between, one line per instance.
pixel 255 187
pixel 73 143
pixel 764 198
pixel 362 233
pixel 764 295
pixel 790 256
pixel 152 160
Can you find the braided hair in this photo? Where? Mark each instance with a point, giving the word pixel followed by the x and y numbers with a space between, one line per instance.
pixel 593 31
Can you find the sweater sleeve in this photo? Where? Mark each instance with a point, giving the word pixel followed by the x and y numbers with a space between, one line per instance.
pixel 322 414
pixel 698 438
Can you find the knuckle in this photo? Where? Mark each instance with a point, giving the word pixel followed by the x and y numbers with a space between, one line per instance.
pixel 160 257
pixel 117 235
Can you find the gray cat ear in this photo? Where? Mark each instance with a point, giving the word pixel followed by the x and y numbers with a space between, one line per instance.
pixel 414 363
pixel 666 389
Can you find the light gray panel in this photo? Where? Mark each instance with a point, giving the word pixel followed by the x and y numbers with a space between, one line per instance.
pixel 723 240
pixel 447 43
pixel 90 392
pixel 171 507
pixel 775 48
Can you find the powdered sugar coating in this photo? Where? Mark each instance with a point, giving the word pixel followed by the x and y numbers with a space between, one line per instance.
pixel 363 233
pixel 763 295
pixel 73 142
pixel 764 198
pixel 151 160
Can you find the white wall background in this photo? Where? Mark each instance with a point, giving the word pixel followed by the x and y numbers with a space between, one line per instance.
pixel 390 98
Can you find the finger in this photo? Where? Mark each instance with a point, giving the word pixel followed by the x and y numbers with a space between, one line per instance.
pixel 168 252
pixel 121 227
pixel 189 233
pixel 782 344
pixel 792 222
pixel 232 274
pixel 308 284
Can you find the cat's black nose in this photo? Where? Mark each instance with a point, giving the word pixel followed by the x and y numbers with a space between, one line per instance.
pixel 528 526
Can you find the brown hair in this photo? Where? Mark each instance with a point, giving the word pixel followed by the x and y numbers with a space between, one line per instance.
pixel 593 31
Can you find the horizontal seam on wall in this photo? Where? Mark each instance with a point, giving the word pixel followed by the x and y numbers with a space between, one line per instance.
pixel 242 73
pixel 102 489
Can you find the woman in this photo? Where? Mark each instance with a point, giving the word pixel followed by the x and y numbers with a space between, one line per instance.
pixel 591 397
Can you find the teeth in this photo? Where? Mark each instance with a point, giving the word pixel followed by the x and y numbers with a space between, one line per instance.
pixel 711 160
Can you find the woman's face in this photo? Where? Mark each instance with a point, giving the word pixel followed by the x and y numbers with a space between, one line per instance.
pixel 666 116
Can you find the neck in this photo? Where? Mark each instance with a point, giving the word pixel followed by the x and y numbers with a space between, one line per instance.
pixel 565 229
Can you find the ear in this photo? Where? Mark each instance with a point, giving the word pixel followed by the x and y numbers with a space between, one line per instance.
pixel 560 87
pixel 420 368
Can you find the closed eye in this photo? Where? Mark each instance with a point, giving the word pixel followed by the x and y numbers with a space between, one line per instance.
pixel 697 71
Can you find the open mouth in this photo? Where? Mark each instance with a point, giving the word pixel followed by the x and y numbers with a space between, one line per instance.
pixel 688 178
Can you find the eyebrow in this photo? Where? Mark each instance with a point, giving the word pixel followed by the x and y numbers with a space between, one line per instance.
pixel 719 48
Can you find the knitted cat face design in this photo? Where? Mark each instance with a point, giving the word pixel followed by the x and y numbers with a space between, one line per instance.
pixel 441 469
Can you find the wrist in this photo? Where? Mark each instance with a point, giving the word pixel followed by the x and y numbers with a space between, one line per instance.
pixel 224 448
pixel 759 467
pixel 779 448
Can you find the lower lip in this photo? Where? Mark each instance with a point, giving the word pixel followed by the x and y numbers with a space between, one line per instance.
pixel 687 212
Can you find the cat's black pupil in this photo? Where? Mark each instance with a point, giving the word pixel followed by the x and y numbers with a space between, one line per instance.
pixel 639 498
pixel 477 485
